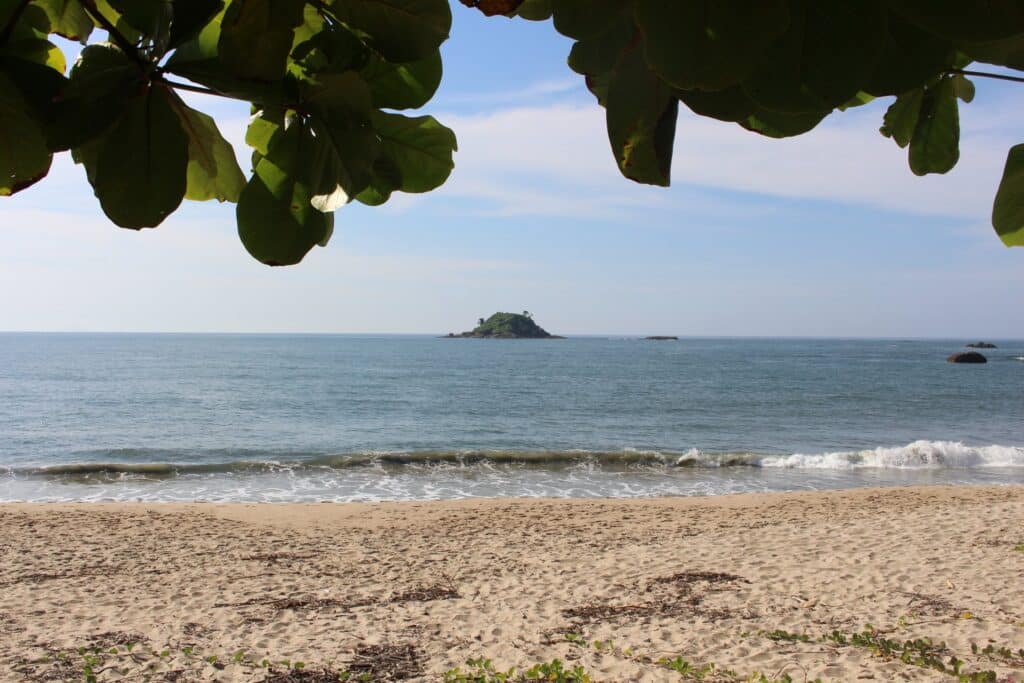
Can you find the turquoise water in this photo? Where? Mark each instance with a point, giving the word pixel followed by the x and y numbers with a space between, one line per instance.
pixel 276 417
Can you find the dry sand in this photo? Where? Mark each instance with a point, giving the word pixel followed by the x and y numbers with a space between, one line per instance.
pixel 409 590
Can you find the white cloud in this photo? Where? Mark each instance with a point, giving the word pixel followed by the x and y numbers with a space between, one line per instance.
pixel 554 160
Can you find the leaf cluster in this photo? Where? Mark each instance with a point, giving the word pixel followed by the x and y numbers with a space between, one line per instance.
pixel 779 67
pixel 325 80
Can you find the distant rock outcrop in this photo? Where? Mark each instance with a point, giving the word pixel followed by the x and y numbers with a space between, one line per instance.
pixel 661 337
pixel 967 357
pixel 982 345
pixel 507 326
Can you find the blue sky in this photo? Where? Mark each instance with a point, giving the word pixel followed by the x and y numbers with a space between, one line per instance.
pixel 824 235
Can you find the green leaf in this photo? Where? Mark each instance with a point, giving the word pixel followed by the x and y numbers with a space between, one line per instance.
pixel 827 56
pixel 256 37
pixel 140 175
pixel 213 171
pixel 276 221
pixel 732 104
pixel 332 49
pixel 708 44
pixel 1008 209
pixel 68 19
pixel 964 20
pixel 402 86
pixel 775 124
pixel 385 179
pixel 345 144
pixel 400 30
pixel 148 16
pixel 935 147
pixel 1008 52
pixel 190 16
pixel 641 119
pixel 599 54
pixel 420 148
pixel 902 115
pixel 535 10
pixel 963 87
pixel 581 19
pixel 101 82
pixel 28 40
pixel 910 56
pixel 24 157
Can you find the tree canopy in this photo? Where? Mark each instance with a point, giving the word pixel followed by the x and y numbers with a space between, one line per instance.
pixel 327 80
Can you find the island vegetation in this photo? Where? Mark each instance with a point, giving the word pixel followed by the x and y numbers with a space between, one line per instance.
pixel 507 326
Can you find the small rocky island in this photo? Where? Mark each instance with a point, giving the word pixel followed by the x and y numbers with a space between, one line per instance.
pixel 982 345
pixel 507 326
pixel 662 337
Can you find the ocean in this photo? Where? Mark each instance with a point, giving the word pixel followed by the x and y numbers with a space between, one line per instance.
pixel 305 418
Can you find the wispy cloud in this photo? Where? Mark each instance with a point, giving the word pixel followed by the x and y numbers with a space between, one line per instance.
pixel 553 159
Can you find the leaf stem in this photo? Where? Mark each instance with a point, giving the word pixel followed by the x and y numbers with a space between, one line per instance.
pixel 192 88
pixel 15 16
pixel 987 74
pixel 126 45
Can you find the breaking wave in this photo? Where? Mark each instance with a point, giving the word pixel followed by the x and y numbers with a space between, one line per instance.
pixel 917 455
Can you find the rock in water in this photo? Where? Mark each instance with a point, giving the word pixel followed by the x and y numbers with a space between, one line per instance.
pixel 968 357
pixel 981 345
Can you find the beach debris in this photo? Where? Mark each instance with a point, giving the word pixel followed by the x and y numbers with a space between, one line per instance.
pixel 387 662
pixel 443 591
pixel 303 676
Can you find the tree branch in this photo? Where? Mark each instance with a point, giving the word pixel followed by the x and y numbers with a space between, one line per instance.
pixel 15 16
pixel 986 74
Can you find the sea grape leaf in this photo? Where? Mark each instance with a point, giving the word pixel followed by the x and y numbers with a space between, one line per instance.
pixel 28 40
pixel 910 57
pixel 402 86
pixel 964 20
pixel 708 44
pixel 332 49
pixel 68 19
pixel 641 118
pixel 935 146
pixel 599 54
pixel 256 37
pixel 102 80
pixel 902 115
pixel 419 147
pixel 775 124
pixel 732 104
pixel 385 178
pixel 345 143
pixel 581 19
pixel 213 171
pixel 190 16
pixel 825 57
pixel 535 10
pixel 400 30
pixel 1008 209
pixel 24 157
pixel 491 8
pixel 1008 52
pixel 963 87
pixel 277 223
pixel 141 165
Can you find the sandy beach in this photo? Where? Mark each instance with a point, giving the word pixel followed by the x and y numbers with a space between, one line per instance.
pixel 720 588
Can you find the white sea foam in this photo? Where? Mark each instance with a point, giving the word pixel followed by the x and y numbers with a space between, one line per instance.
pixel 917 455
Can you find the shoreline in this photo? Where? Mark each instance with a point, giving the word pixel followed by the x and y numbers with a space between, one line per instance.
pixel 742 582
